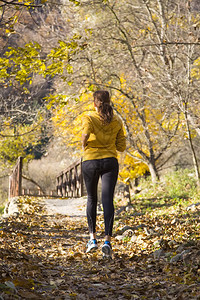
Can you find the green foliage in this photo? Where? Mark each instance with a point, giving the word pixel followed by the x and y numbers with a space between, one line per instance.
pixel 1 209
pixel 175 184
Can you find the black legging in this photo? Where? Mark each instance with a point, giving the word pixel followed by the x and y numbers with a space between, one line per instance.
pixel 108 169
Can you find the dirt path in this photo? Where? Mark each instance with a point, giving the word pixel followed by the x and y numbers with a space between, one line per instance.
pixel 42 256
pixel 69 207
pixel 74 207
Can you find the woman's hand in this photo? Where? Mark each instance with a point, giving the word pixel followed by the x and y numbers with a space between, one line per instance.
pixel 85 138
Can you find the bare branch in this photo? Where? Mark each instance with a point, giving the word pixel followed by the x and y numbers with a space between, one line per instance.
pixel 19 4
pixel 34 182
pixel 20 134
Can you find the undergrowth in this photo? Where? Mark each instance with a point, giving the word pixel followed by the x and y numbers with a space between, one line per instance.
pixel 175 190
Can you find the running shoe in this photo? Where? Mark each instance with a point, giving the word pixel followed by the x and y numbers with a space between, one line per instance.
pixel 107 249
pixel 91 246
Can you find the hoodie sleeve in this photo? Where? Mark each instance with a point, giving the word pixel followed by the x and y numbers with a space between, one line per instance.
pixel 87 126
pixel 120 140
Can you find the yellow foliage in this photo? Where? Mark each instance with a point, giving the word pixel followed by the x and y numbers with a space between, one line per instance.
pixel 67 120
pixel 132 169
pixel 154 17
pixel 195 72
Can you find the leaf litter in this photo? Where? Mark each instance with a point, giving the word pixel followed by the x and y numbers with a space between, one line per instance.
pixel 154 256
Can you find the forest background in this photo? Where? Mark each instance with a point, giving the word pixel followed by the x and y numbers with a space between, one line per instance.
pixel 54 55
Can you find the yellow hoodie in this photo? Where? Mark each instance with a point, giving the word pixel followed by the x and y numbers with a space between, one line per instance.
pixel 104 139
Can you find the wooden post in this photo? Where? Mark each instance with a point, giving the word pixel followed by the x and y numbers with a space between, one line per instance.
pixel 81 179
pixel 15 179
pixel 20 176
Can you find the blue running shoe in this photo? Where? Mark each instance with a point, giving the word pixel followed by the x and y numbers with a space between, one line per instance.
pixel 107 249
pixel 91 246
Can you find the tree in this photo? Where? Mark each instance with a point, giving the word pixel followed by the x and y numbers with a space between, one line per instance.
pixel 179 62
pixel 28 72
pixel 67 122
pixel 139 42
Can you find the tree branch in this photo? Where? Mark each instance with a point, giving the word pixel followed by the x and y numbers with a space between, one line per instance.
pixel 19 4
pixel 34 182
pixel 18 134
pixel 166 43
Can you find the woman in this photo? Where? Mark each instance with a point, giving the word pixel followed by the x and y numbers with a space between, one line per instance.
pixel 102 136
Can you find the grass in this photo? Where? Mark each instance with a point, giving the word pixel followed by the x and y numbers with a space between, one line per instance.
pixel 175 191
pixel 159 206
pixel 1 209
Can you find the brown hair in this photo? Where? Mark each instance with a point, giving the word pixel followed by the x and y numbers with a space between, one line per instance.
pixel 102 102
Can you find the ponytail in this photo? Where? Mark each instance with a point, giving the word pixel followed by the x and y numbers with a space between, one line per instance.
pixel 102 102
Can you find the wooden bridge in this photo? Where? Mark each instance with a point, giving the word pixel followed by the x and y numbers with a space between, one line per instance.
pixel 69 183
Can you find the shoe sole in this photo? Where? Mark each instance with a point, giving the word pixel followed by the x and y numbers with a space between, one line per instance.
pixel 107 252
pixel 93 249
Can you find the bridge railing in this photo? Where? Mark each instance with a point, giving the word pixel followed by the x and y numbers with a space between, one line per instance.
pixel 70 181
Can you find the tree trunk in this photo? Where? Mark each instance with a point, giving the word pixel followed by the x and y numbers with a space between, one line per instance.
pixel 153 171
pixel 194 157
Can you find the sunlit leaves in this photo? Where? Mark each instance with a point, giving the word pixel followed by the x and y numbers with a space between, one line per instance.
pixel 77 3
pixel 147 123
pixel 19 64
pixel 195 73
pixel 4 63
pixel 57 58
pixel 67 119
pixel 54 100
pixel 139 117
pixel 131 168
